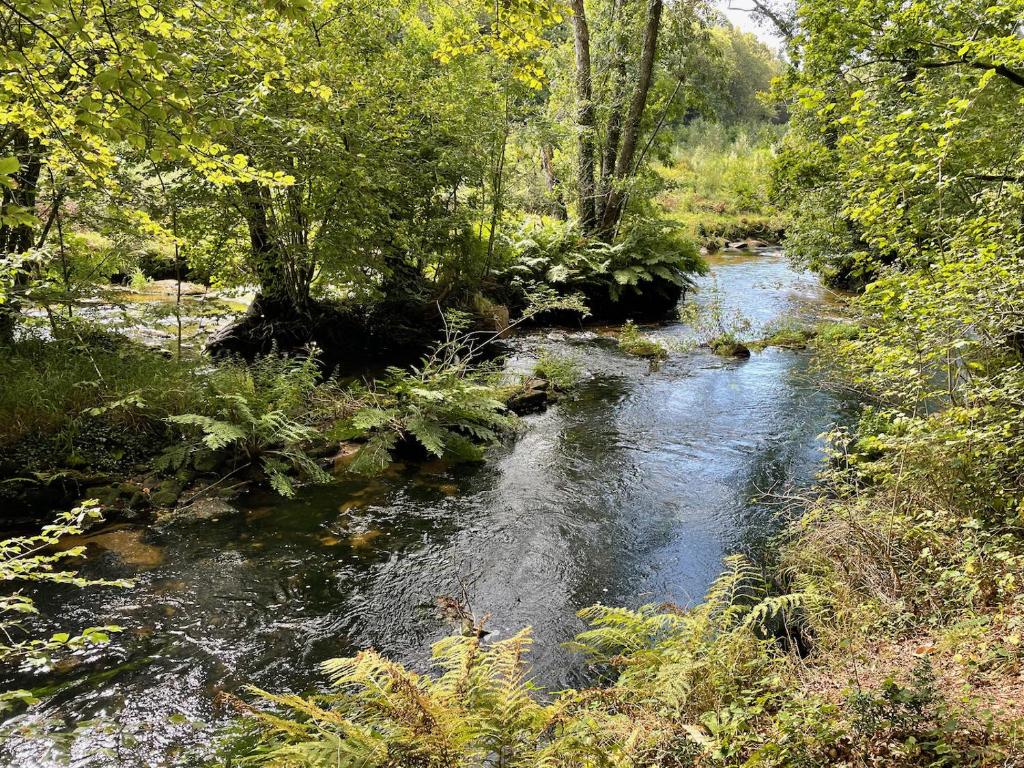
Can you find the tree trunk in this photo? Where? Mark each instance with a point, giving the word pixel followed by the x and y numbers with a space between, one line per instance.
pixel 547 153
pixel 585 120
pixel 267 255
pixel 784 26
pixel 631 129
pixel 613 132
pixel 17 239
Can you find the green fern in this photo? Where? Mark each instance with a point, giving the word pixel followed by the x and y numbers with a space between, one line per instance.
pixel 254 413
pixel 647 250
pixel 679 686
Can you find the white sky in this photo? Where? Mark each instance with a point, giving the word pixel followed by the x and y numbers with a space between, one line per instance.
pixel 739 18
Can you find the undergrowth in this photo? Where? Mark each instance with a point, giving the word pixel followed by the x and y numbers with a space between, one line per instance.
pixel 716 185
pixel 888 629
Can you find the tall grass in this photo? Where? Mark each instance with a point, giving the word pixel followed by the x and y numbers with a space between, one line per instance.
pixel 717 183
pixel 52 387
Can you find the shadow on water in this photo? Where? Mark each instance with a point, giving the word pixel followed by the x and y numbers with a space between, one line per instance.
pixel 631 491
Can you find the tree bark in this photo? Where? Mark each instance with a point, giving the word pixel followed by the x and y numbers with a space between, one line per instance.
pixel 613 132
pixel 18 239
pixel 631 129
pixel 585 120
pixel 266 251
pixel 547 153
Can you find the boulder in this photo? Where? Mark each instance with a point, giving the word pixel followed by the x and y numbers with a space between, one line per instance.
pixel 532 398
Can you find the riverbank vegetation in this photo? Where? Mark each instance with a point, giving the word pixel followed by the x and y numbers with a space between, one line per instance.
pixel 399 185
pixel 717 184
pixel 888 630
pixel 228 149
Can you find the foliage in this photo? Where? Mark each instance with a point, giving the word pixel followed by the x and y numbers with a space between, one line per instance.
pixel 563 372
pixel 897 153
pixel 452 405
pixel 480 706
pixel 255 412
pixel 33 559
pixel 557 253
pixel 633 342
pixel 737 88
pixel 717 183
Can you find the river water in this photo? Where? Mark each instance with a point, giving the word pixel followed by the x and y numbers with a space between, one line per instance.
pixel 630 491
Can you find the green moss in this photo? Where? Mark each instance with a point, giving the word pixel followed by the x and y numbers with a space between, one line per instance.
pixel 786 338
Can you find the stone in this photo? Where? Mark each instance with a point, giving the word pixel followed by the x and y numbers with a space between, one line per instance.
pixel 533 398
pixel 167 493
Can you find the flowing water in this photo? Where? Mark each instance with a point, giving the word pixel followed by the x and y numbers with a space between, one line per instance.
pixel 630 491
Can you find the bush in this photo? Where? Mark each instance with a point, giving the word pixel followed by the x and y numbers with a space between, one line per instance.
pixel 644 272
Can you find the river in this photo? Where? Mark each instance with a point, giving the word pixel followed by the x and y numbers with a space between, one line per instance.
pixel 629 491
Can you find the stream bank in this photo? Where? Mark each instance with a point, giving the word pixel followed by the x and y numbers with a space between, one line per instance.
pixel 628 492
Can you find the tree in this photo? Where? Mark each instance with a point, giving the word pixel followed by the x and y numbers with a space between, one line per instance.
pixel 905 130
pixel 779 15
pixel 85 90
pixel 600 213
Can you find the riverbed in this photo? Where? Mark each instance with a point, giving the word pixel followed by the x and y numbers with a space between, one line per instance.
pixel 629 491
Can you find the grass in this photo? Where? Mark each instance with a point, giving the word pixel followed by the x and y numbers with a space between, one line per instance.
pixel 88 397
pixel 561 371
pixel 717 182
pixel 634 343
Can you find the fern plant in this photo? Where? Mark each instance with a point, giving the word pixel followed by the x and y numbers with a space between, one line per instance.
pixel 449 405
pixel 673 676
pixel 452 405
pixel 648 250
pixel 255 412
